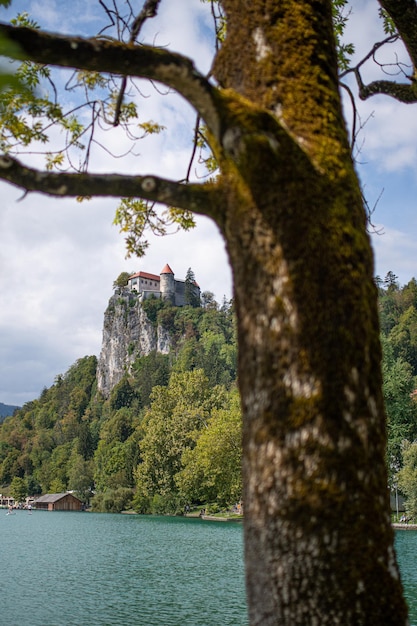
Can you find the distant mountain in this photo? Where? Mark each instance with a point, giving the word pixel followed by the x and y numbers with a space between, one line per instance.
pixel 6 410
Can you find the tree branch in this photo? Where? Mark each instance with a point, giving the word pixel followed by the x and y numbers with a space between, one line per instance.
pixel 404 15
pixel 403 92
pixel 149 10
pixel 102 55
pixel 204 199
pixel 400 91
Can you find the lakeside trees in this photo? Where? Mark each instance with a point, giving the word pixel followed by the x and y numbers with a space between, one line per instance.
pixel 319 545
pixel 136 440
pixel 398 307
pixel 104 444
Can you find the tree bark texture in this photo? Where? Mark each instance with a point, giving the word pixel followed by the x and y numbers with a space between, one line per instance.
pixel 318 537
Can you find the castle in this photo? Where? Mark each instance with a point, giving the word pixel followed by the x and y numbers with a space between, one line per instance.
pixel 164 286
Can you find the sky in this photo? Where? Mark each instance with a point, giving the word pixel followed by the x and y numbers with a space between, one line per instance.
pixel 59 258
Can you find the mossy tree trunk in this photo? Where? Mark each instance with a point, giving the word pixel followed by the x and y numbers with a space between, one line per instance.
pixel 319 543
pixel 317 525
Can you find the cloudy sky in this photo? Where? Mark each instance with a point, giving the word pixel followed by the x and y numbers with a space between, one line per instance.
pixel 59 258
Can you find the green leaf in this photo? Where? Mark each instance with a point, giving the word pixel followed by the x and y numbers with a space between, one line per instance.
pixel 54 160
pixel 23 19
pixel 151 128
pixel 185 219
pixel 340 20
pixel 389 26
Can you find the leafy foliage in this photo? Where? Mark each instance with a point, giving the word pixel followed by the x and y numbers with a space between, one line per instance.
pixel 398 307
pixel 28 111
pixel 212 469
pixel 72 438
pixel 18 489
pixel 122 279
pixel 135 216
pixel 170 432
pixel 176 414
pixel 341 14
pixel 389 26
pixel 186 446
pixel 407 478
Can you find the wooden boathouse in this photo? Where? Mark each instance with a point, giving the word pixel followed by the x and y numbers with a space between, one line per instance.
pixel 58 502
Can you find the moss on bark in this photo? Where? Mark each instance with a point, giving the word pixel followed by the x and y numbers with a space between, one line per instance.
pixel 318 534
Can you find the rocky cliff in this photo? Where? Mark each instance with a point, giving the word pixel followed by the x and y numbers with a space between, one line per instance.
pixel 127 334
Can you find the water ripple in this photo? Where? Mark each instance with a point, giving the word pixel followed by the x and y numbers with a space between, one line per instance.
pixel 79 569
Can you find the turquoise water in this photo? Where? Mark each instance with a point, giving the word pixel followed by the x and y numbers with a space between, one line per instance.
pixel 406 547
pixel 86 569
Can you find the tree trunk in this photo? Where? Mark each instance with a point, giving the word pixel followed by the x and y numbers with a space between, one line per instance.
pixel 319 542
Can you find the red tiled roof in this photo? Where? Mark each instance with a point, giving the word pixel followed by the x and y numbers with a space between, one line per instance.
pixel 167 270
pixel 145 275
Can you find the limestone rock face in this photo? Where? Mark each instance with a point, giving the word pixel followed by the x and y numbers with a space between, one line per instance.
pixel 127 334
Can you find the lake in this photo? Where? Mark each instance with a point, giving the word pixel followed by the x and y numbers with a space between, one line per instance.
pixel 406 547
pixel 90 569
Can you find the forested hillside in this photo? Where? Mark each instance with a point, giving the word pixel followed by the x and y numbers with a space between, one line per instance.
pixel 398 315
pixel 169 434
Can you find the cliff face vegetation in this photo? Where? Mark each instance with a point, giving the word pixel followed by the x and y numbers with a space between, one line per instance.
pixel 128 334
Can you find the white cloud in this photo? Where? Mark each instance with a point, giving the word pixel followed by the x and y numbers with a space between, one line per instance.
pixel 394 251
pixel 58 262
pixel 388 137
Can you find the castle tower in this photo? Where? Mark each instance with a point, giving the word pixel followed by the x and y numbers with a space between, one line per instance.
pixel 167 284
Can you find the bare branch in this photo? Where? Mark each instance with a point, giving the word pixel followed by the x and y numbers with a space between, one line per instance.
pixel 194 150
pixel 352 102
pixel 149 10
pixel 403 92
pixel 404 15
pixel 109 13
pixel 218 20
pixel 171 69
pixel 205 199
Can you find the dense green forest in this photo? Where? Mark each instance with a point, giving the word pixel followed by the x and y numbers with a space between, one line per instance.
pixel 169 434
pixel 398 319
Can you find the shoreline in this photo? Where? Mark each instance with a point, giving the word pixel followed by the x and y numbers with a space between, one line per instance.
pixel 206 518
pixel 399 526
pixel 213 518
